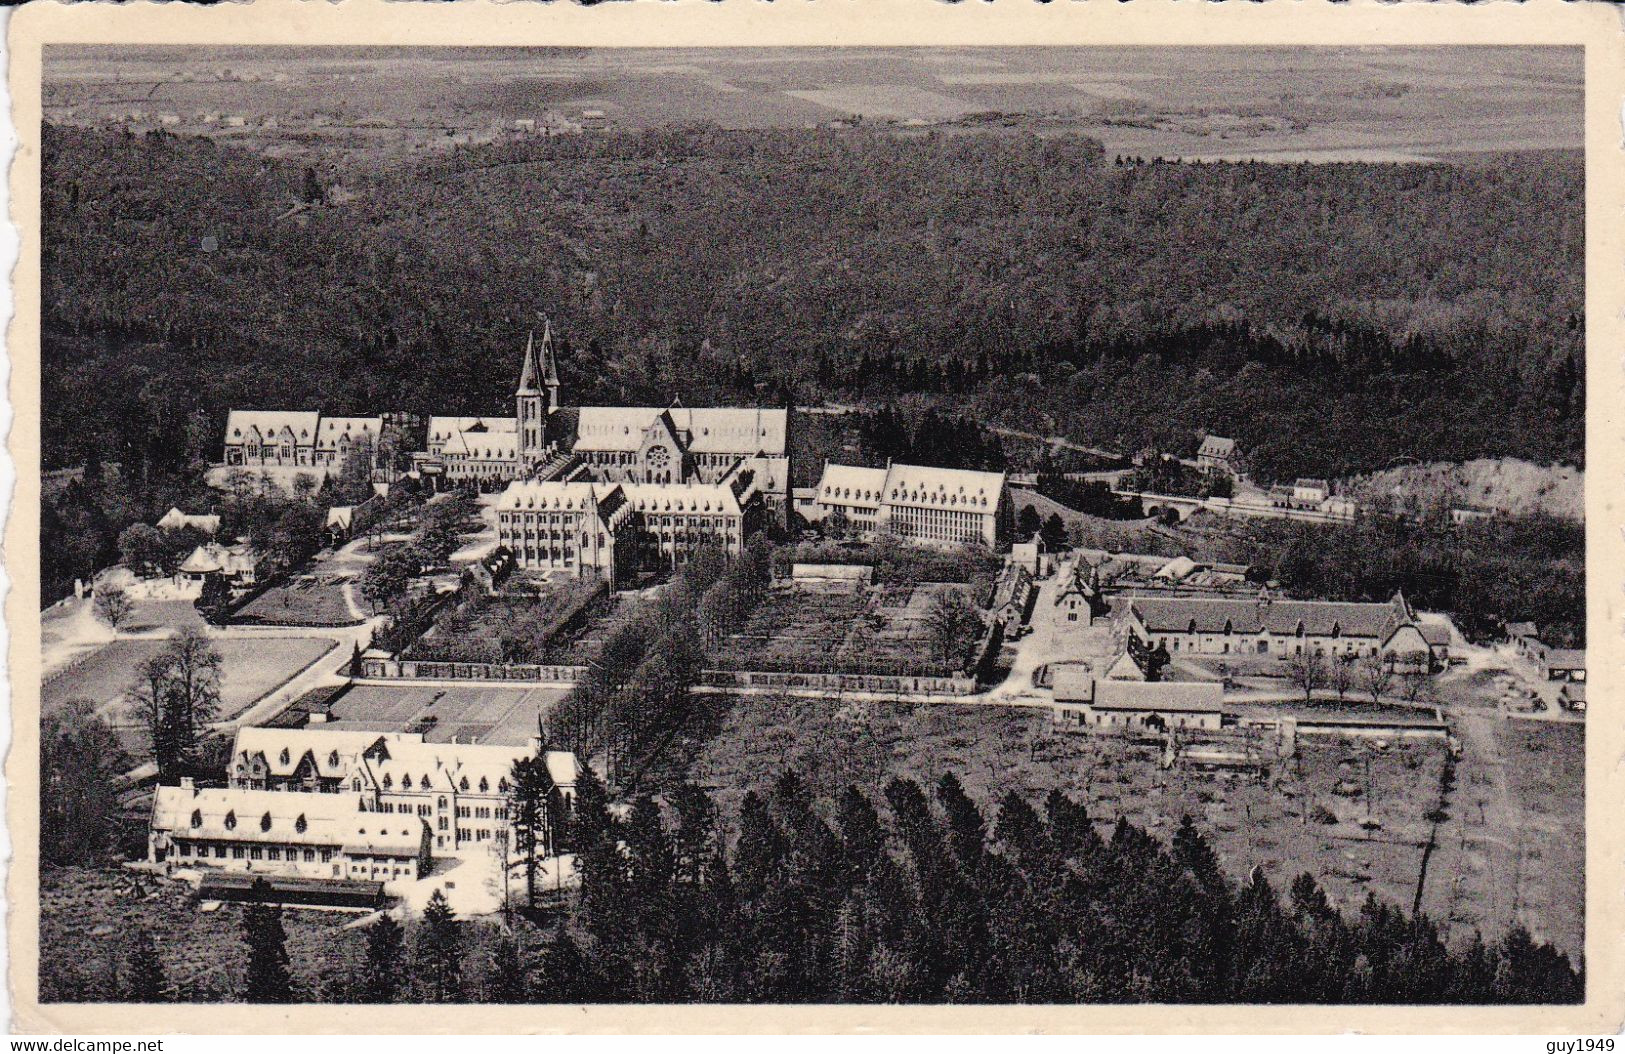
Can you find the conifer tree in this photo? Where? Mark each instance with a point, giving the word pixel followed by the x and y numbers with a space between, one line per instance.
pixel 437 960
pixel 385 961
pixel 268 978
pixel 504 972
pixel 143 972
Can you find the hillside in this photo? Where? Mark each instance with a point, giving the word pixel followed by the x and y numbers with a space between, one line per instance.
pixel 1507 485
pixel 1030 278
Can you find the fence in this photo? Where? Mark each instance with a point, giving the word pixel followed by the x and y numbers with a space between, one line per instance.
pixel 393 667
pixel 840 682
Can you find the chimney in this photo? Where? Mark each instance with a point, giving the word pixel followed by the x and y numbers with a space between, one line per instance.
pixel 188 784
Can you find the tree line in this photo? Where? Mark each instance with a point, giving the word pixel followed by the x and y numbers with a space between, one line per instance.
pixel 1025 278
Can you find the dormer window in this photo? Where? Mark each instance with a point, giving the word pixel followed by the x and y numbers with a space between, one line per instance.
pixel 333 759
pixel 231 821
pixel 485 786
pixel 406 782
pixel 463 783
pixel 284 755
pixel 265 822
pixel 300 824
pixel 388 783
pixel 197 817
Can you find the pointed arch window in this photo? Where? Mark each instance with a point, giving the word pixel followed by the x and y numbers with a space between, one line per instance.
pixel 463 783
pixel 231 820
pixel 265 822
pixel 300 824
pixel 485 785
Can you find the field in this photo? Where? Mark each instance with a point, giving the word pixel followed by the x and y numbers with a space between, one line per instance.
pixel 1348 104
pixel 876 631
pixel 306 601
pixel 1513 846
pixel 249 669
pixel 1279 824
pixel 467 713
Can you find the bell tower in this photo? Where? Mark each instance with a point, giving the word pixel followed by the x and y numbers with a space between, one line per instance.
pixel 536 398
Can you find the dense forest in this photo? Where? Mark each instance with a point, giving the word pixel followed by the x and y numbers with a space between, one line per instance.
pixel 913 896
pixel 1331 317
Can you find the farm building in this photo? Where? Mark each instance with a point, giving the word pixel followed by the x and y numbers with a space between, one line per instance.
pixel 1085 701
pixel 1266 626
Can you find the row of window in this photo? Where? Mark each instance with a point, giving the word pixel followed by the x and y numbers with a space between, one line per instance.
pixel 220 851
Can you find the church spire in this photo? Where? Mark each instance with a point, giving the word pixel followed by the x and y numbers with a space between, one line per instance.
pixel 530 371
pixel 550 364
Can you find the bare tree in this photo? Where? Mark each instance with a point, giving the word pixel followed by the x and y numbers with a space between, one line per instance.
pixel 1342 675
pixel 1416 685
pixel 1376 676
pixel 114 606
pixel 1307 670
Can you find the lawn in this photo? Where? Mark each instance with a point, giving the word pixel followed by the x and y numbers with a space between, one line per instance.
pixel 305 601
pixel 250 668
pixel 1274 824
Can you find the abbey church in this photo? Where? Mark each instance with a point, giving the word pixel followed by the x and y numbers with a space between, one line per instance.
pixel 543 441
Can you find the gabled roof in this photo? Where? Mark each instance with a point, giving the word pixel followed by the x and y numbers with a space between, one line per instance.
pixel 301 424
pixel 333 753
pixel 1566 659
pixel 1217 446
pixel 1192 696
pixel 851 485
pixel 704 430
pixel 954 489
pixel 175 519
pixel 607 501
pixel 657 498
pixel 1280 617
pixel 276 817
pixel 333 431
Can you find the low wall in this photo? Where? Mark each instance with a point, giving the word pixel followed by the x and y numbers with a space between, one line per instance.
pixel 395 668
pixel 840 682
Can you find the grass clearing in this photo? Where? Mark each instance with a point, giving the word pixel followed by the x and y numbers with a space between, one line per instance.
pixel 1280 824
pixel 306 601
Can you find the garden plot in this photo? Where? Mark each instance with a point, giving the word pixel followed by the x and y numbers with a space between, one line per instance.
pixel 879 631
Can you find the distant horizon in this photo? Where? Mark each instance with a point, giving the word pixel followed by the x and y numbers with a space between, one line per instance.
pixel 1264 103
